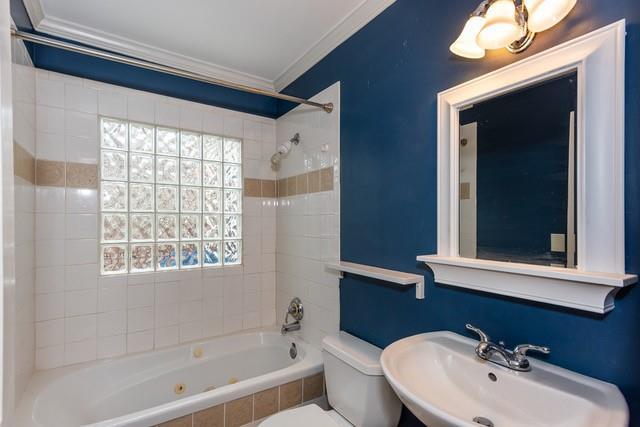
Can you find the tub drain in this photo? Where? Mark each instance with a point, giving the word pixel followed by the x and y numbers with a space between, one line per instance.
pixel 293 351
pixel 483 421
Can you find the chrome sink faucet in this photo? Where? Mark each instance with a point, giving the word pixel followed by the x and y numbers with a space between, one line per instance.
pixel 515 359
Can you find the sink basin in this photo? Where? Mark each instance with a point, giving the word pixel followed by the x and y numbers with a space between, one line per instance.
pixel 439 378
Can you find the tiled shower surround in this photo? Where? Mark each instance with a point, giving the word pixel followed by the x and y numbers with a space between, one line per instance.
pixel 81 315
pixel 68 313
pixel 24 144
pixel 308 219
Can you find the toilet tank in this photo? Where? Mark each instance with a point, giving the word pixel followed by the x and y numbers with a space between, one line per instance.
pixel 356 386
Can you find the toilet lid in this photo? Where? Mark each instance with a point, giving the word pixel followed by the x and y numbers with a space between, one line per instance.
pixel 308 415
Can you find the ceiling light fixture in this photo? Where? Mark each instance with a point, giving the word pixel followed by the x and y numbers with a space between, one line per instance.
pixel 544 14
pixel 497 24
pixel 466 44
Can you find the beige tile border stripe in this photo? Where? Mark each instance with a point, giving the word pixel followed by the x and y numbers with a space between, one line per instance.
pixel 306 183
pixel 255 407
pixel 259 187
pixel 52 173
pixel 24 164
pixel 82 175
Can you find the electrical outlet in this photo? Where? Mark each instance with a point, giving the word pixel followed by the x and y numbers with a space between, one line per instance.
pixel 558 243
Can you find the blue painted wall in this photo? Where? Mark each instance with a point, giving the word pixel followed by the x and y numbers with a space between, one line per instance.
pixel 88 67
pixel 20 16
pixel 21 19
pixel 390 73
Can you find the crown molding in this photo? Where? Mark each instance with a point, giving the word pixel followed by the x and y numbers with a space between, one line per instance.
pixel 35 11
pixel 122 45
pixel 358 18
pixel 361 16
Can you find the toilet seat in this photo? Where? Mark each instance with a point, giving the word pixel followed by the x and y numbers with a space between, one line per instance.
pixel 308 415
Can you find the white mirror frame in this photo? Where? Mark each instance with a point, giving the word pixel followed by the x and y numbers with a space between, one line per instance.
pixel 599 60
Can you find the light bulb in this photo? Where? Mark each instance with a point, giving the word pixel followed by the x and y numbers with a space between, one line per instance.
pixel 544 14
pixel 501 28
pixel 466 44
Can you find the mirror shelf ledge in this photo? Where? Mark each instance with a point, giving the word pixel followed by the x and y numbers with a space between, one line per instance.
pixel 599 58
pixel 576 289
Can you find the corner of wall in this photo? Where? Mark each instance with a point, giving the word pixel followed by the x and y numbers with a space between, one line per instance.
pixel 24 125
pixel 308 218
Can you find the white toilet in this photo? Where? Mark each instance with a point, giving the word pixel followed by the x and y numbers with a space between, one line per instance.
pixel 356 388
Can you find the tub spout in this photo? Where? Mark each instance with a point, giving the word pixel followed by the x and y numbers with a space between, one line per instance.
pixel 290 327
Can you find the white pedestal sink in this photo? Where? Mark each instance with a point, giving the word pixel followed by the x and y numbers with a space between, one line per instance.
pixel 439 378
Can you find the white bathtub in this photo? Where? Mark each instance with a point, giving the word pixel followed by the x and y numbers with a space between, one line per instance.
pixel 139 390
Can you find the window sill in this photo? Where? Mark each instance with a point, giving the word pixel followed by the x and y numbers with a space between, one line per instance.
pixel 165 275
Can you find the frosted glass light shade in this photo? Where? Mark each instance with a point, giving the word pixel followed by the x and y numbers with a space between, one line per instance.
pixel 466 44
pixel 544 14
pixel 501 28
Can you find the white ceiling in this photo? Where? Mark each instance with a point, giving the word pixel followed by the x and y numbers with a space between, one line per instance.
pixel 267 43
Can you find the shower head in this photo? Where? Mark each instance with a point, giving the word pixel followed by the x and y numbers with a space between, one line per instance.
pixel 275 160
pixel 283 150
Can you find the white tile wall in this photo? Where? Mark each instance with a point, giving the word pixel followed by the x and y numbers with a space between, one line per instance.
pixel 81 316
pixel 24 124
pixel 20 55
pixel 308 226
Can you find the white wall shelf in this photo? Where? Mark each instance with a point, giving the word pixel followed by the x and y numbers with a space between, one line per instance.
pixel 392 276
pixel 577 289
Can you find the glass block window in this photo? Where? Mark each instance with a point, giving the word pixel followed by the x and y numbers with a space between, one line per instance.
pixel 169 198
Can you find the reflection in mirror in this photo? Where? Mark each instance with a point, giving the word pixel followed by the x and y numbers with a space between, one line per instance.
pixel 517 175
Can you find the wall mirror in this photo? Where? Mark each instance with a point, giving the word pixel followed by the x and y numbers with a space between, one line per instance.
pixel 531 177
pixel 517 177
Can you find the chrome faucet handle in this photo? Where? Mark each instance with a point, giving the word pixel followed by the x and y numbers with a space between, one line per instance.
pixel 522 349
pixel 483 337
pixel 295 309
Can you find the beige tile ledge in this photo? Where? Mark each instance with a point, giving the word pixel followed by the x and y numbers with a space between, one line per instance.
pixel 255 407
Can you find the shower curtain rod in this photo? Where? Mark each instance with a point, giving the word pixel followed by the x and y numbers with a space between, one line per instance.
pixel 34 38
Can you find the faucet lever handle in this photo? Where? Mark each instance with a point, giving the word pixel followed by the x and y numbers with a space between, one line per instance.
pixel 295 309
pixel 522 349
pixel 483 337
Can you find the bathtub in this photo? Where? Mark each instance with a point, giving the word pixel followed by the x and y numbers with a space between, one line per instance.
pixel 150 388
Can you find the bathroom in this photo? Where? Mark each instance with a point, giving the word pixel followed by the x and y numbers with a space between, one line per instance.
pixel 240 213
